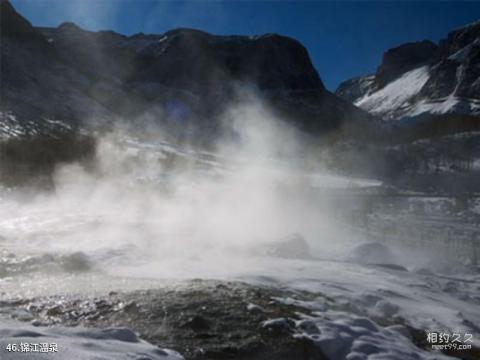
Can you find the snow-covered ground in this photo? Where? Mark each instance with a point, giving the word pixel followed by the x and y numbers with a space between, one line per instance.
pixel 352 300
pixel 20 341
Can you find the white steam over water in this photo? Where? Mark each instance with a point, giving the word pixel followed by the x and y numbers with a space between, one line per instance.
pixel 155 210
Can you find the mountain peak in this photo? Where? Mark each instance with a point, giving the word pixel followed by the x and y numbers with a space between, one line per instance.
pixel 69 26
pixel 187 31
pixel 125 77
pixel 461 37
pixel 13 24
pixel 421 79
pixel 400 59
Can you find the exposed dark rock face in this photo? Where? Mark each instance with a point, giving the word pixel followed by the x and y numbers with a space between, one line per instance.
pixel 205 61
pixel 422 80
pixel 443 80
pixel 182 79
pixel 459 38
pixel 459 68
pixel 13 25
pixel 355 88
pixel 403 58
pixel 35 82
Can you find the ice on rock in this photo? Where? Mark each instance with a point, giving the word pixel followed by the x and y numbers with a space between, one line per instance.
pixel 308 326
pixel 280 325
pixel 364 323
pixel 369 299
pixel 365 347
pixel 347 337
pixel 385 309
pixel 121 334
pixel 335 346
pixel 356 356
pixel 400 329
pixel 255 308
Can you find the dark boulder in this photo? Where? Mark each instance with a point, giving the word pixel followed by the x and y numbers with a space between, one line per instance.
pixel 293 246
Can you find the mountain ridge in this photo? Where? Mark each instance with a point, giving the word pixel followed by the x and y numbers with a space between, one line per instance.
pixel 421 79
pixel 184 78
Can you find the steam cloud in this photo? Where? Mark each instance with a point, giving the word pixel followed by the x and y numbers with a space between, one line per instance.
pixel 169 211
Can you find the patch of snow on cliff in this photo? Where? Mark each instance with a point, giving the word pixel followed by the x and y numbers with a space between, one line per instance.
pixel 397 94
pixel 441 106
pixel 451 103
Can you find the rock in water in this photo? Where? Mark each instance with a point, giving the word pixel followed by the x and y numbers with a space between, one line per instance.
pixel 197 323
pixel 373 253
pixel 292 247
pixel 75 262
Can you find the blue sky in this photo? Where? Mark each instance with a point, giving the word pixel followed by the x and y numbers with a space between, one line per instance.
pixel 344 38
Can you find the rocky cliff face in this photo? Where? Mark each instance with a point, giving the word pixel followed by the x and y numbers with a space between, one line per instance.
pixel 184 77
pixel 418 80
pixel 37 85
pixel 403 58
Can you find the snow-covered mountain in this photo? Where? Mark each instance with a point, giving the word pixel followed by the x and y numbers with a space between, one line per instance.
pixel 421 79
